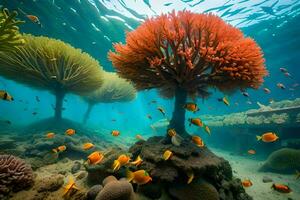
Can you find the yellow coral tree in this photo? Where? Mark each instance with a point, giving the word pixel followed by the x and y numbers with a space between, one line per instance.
pixel 51 64
pixel 114 89
pixel 9 30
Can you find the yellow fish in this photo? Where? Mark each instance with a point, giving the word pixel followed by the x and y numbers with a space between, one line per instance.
pixel 207 129
pixel 225 101
pixel 167 154
pixel 191 176
pixel 121 161
pixel 140 177
pixel 69 188
pixel 137 161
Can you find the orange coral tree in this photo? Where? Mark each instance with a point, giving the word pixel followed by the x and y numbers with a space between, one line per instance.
pixel 184 54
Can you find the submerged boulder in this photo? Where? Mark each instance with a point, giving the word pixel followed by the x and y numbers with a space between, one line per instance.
pixel 285 160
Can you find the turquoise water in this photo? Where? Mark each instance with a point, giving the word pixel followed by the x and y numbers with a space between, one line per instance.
pixel 94 25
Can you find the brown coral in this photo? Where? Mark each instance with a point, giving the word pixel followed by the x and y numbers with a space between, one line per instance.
pixel 15 174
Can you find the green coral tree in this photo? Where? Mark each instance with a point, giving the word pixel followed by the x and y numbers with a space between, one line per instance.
pixel 50 64
pixel 10 37
pixel 114 89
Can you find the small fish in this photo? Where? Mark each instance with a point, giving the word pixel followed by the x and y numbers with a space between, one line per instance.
pixel 191 107
pixel 137 161
pixel 245 94
pixel 191 176
pixel 267 90
pixel 5 96
pixel 34 19
pixel 59 149
pixel 251 152
pixel 249 102
pixel 281 188
pixel 267 137
pixel 149 116
pixel 153 101
pixel 50 135
pixel 113 120
pixel 283 70
pixel 196 122
pixel 198 141
pixel 69 188
pixel 70 132
pixel 87 146
pixel 37 98
pixel 297 175
pixel 139 137
pixel 95 158
pixel 34 113
pixel 288 75
pixel 207 129
pixel 115 133
pixel 140 177
pixel 175 139
pixel 121 161
pixel 160 109
pixel 280 85
pixel 167 155
pixel 247 183
pixel 271 101
pixel 224 100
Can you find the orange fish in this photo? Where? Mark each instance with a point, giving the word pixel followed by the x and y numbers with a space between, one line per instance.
pixel 268 137
pixel 207 129
pixel 167 155
pixel 175 139
pixel 140 177
pixel 171 132
pixel 87 146
pixel 121 161
pixel 195 121
pixel 191 107
pixel 115 133
pixel 34 19
pixel 139 137
pixel 162 111
pixel 50 135
pixel 251 152
pixel 198 141
pixel 95 158
pixel 69 188
pixel 70 132
pixel 281 188
pixel 137 161
pixel 59 149
pixel 247 183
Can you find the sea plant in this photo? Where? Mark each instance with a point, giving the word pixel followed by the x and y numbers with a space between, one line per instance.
pixel 50 64
pixel 114 89
pixel 10 36
pixel 185 54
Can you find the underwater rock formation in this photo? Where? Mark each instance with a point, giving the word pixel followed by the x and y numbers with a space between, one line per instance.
pixel 10 38
pixel 285 160
pixel 114 89
pixel 53 65
pixel 114 189
pixel 174 57
pixel 15 174
pixel 208 169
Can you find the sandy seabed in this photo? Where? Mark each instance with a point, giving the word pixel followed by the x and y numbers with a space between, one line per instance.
pixel 246 167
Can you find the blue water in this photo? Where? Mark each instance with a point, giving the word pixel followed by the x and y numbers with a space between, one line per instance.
pixel 94 25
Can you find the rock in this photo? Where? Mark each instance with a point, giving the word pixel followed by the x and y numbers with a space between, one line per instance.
pixel 267 179
pixel 76 167
pixel 93 192
pixel 284 160
pixel 50 184
pixel 109 179
pixel 150 190
pixel 194 191
pixel 80 175
pixel 116 190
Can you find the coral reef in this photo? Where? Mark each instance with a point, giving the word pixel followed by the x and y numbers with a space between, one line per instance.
pixel 10 38
pixel 114 89
pixel 53 65
pixel 184 54
pixel 208 169
pixel 114 189
pixel 284 160
pixel 15 174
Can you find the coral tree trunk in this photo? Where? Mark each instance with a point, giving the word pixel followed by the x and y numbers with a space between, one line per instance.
pixel 88 112
pixel 59 104
pixel 178 118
